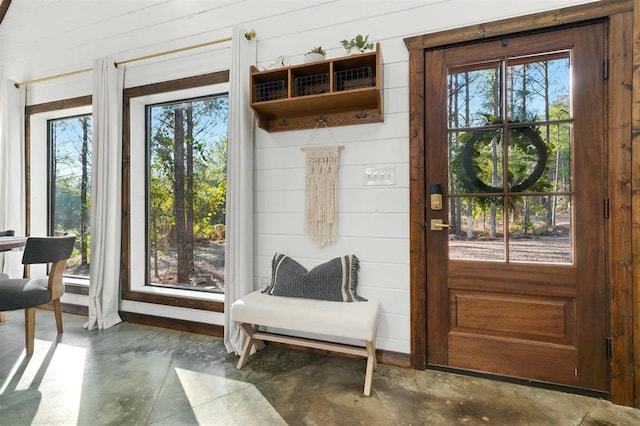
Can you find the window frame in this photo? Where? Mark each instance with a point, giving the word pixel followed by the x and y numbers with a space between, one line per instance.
pixel 130 290
pixel 44 112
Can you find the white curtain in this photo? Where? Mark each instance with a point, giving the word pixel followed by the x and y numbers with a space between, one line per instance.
pixel 106 190
pixel 239 216
pixel 12 170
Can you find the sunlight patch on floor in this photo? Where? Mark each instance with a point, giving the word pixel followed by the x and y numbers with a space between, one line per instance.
pixel 64 379
pixel 224 398
pixel 54 374
pixel 41 349
pixel 200 388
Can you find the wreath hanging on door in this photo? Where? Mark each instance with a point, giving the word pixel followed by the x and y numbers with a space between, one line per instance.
pixel 526 139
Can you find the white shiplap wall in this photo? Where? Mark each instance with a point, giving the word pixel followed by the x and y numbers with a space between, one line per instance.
pixel 45 37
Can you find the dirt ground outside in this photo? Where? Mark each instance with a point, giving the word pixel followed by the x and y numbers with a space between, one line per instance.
pixel 207 274
pixel 535 249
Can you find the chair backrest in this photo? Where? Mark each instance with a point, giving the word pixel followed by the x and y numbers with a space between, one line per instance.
pixel 8 233
pixel 48 249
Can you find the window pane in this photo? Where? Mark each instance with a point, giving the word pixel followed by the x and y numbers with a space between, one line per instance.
pixel 474 95
pixel 70 142
pixel 187 167
pixel 535 84
pixel 476 229
pixel 528 160
pixel 559 148
pixel 540 230
pixel 475 161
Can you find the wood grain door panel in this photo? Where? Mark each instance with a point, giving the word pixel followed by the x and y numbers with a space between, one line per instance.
pixel 515 358
pixel 543 319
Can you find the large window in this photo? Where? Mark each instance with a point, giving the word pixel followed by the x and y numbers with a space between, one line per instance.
pixel 186 192
pixel 174 188
pixel 70 186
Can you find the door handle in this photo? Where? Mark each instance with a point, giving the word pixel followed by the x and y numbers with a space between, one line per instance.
pixel 437 225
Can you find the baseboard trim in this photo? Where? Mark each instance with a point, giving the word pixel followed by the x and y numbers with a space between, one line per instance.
pixel 68 308
pixel 395 359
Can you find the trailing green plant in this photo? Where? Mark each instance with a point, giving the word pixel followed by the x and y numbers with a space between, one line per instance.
pixel 362 43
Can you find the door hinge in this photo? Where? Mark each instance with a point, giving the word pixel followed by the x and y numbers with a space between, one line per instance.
pixel 606 208
pixel 605 69
pixel 609 344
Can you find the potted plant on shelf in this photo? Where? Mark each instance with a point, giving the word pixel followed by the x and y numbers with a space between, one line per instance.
pixel 358 44
pixel 315 54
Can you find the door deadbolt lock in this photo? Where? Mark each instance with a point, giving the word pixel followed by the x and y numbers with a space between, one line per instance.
pixel 437 225
pixel 436 197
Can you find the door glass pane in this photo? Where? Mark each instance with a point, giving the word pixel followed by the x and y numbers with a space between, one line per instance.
pixel 476 229
pixel 559 148
pixel 537 159
pixel 540 229
pixel 535 84
pixel 475 161
pixel 474 95
pixel 527 158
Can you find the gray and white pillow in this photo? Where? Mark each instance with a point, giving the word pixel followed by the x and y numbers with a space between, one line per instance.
pixel 335 280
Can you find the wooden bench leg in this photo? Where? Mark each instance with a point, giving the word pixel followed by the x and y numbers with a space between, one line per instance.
pixel 375 360
pixel 2 317
pixel 248 342
pixel 371 364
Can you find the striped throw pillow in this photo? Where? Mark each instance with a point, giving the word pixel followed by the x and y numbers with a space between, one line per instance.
pixel 335 280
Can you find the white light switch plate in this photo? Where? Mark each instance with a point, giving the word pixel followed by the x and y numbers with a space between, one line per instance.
pixel 375 176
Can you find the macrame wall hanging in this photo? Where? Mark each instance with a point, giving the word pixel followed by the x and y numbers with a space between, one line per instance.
pixel 321 192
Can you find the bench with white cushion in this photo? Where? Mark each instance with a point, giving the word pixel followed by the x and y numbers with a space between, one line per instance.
pixel 348 320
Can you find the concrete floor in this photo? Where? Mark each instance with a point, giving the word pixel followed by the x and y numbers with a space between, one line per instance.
pixel 140 375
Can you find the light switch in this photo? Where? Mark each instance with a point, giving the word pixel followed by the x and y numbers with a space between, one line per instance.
pixel 374 176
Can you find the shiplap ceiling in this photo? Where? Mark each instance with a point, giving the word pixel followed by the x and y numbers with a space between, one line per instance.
pixel 44 37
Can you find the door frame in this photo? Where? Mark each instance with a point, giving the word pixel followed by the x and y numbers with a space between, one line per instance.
pixel 623 191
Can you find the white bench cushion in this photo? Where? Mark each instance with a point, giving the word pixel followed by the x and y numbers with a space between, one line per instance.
pixel 353 320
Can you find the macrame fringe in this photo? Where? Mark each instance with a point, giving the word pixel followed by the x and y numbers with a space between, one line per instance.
pixel 321 194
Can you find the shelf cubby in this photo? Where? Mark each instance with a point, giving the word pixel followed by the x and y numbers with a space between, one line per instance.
pixel 340 91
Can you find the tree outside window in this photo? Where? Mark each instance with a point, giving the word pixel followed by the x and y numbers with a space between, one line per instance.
pixel 186 193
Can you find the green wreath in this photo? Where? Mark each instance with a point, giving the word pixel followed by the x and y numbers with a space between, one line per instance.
pixel 530 137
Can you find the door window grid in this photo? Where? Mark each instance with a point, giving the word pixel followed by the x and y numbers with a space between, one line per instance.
pixel 536 203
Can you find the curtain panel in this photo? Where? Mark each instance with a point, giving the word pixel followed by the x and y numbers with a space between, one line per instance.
pixel 239 216
pixel 106 195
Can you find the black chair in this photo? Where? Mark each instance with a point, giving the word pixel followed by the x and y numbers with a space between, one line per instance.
pixel 29 293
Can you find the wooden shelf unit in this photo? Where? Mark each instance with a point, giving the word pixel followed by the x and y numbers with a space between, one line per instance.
pixel 341 91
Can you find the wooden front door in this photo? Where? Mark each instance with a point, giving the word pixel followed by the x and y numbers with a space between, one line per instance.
pixel 515 144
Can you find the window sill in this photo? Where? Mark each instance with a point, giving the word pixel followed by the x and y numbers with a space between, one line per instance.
pixel 176 297
pixel 177 292
pixel 76 281
pixel 76 285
